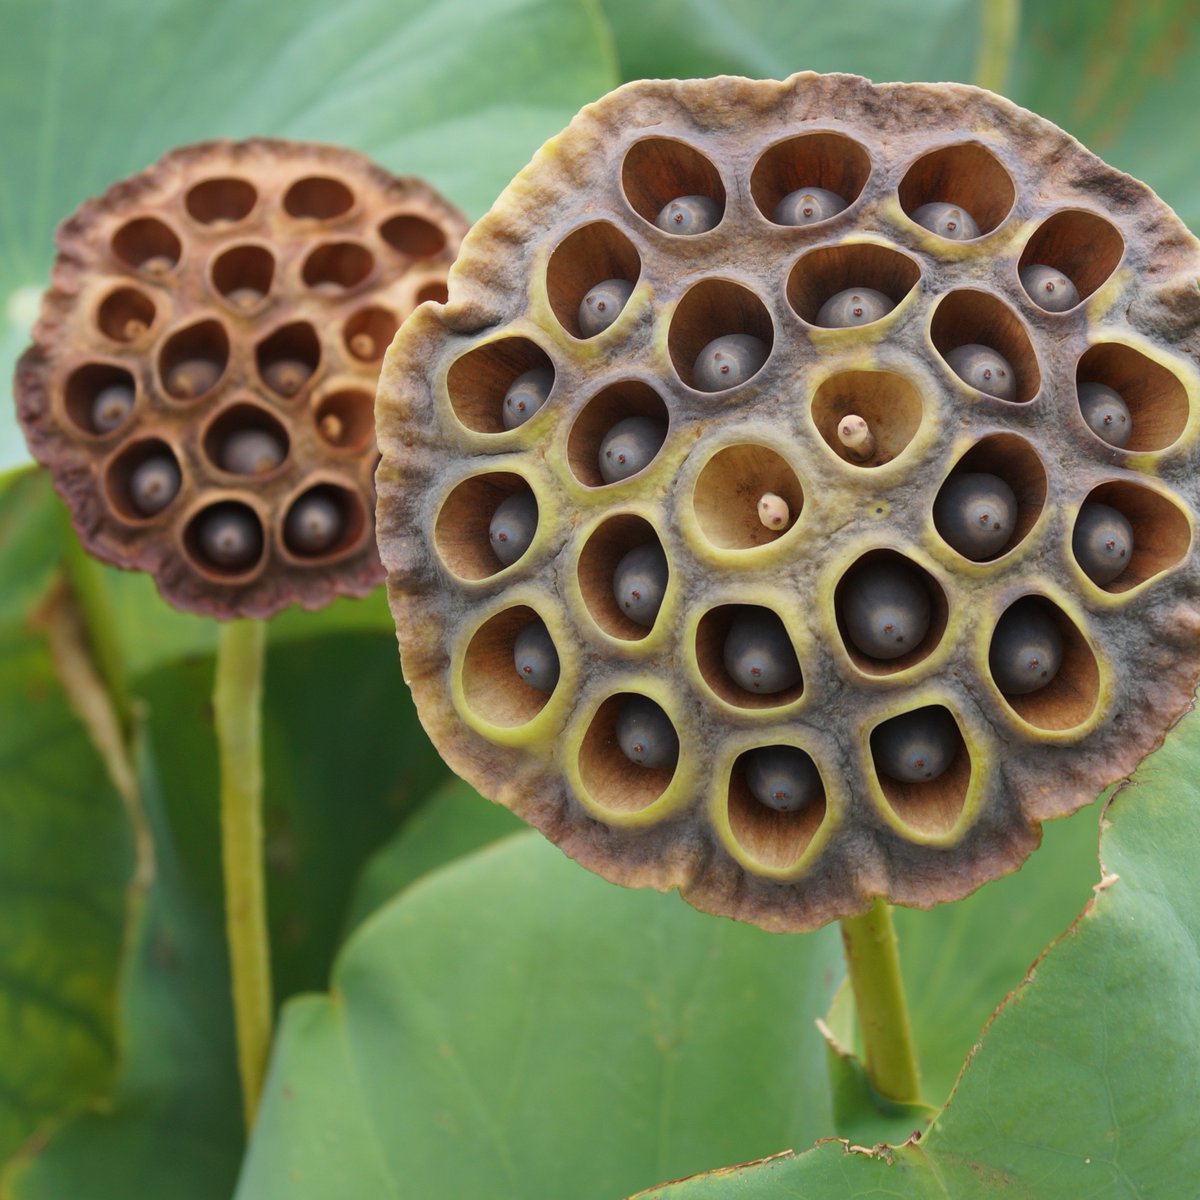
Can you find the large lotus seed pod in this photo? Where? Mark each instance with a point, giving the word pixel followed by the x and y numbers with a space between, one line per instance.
pixel 959 798
pixel 201 383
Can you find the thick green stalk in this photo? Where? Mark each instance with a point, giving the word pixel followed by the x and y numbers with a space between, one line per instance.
pixel 998 24
pixel 874 967
pixel 237 700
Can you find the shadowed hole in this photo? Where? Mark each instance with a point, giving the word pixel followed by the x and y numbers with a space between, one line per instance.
pixel 1156 398
pixel 243 275
pixel 346 419
pixel 119 476
pixel 611 780
pixel 775 839
pixel 493 690
pixel 617 402
pixel 597 564
pixel 224 200
pixel 288 358
pixel 337 266
pixel 413 235
pixel 147 245
pixel 968 317
pixel 84 385
pixel 435 291
pixel 478 380
pixel 239 418
pixel 966 175
pixel 317 198
pixel 729 488
pixel 351 515
pixel 460 532
pixel 659 170
pixel 889 403
pixel 930 807
pixel 192 360
pixel 369 332
pixel 814 160
pixel 195 551
pixel 124 315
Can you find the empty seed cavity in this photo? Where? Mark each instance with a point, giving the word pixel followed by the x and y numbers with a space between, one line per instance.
pixel 222 201
pixel 317 198
pixel 727 498
pixel 413 236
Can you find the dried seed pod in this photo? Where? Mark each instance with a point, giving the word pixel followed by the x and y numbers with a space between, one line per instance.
pixel 933 764
pixel 207 353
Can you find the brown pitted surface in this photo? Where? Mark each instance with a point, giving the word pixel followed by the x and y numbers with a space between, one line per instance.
pixel 231 287
pixel 583 212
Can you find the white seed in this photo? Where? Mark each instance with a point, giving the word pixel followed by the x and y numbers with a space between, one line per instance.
pixel 773 511
pixel 855 435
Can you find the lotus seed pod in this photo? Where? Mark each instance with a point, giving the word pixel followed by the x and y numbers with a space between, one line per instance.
pixel 966 377
pixel 111 406
pixel 645 734
pixel 229 537
pixel 854 306
pixel 759 655
pixel 782 777
pixel 916 747
pixel 154 484
pixel 629 447
pixel 886 608
pixel 526 394
pixel 512 527
pixel 947 220
pixel 208 352
pixel 1026 650
pixel 728 361
pixel 976 513
pixel 1105 413
pixel 640 582
pixel 1102 542
pixel 773 511
pixel 1049 288
pixel 251 452
pixel 807 206
pixel 602 306
pixel 535 658
pixel 689 215
pixel 984 369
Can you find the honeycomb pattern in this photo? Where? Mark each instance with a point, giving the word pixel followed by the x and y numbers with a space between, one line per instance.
pixel 202 378
pixel 584 212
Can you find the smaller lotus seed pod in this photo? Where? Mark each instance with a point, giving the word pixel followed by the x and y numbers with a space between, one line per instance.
pixel 886 608
pixel 1105 413
pixel 192 377
pixel 526 394
pixel 689 215
pixel 855 435
pixel 313 525
pixel 251 452
pixel 603 305
pixel 759 655
pixel 629 446
pixel 154 484
pixel 853 307
pixel 807 206
pixel 976 513
pixel 111 406
pixel 535 657
pixel 512 527
pixel 916 746
pixel 230 538
pixel 1026 649
pixel 984 369
pixel 947 220
pixel 286 375
pixel 1102 542
pixel 1048 287
pixel 727 361
pixel 640 582
pixel 773 511
pixel 645 733
pixel 781 777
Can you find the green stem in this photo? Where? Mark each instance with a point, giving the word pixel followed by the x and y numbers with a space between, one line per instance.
pixel 237 700
pixel 999 20
pixel 874 967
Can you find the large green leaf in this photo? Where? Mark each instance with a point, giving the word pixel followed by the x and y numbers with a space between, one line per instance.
pixel 516 1027
pixel 882 39
pixel 65 862
pixel 1087 1082
pixel 1122 78
pixel 458 92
